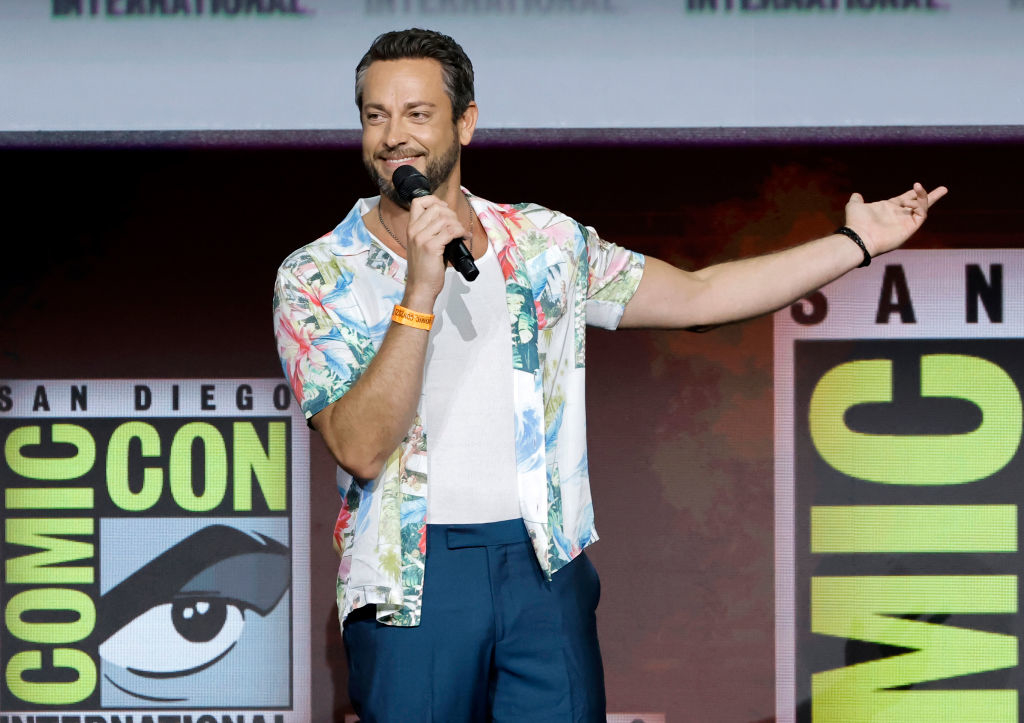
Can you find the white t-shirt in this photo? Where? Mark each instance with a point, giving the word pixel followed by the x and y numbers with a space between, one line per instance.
pixel 468 414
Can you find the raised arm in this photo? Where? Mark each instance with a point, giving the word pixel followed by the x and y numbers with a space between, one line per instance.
pixel 364 426
pixel 669 297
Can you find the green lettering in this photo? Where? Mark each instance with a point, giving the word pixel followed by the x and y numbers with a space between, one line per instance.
pixel 933 459
pixel 269 467
pixel 51 468
pixel 51 693
pixel 48 498
pixel 215 472
pixel 914 528
pixel 47 567
pixel 62 599
pixel 864 608
pixel 118 484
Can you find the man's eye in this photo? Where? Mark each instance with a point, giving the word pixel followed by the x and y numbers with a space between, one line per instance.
pixel 176 638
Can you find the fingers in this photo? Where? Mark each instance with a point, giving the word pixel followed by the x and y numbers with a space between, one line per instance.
pixel 917 200
pixel 918 193
pixel 435 234
pixel 910 197
pixel 936 194
pixel 432 224
pixel 421 205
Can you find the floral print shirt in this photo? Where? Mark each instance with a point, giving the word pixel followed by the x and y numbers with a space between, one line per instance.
pixel 332 309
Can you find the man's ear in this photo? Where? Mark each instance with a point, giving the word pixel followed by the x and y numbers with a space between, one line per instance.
pixel 466 125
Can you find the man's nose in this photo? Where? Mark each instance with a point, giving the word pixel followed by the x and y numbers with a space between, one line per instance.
pixel 395 134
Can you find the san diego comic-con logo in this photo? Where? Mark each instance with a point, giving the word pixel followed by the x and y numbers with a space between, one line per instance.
pixel 147 562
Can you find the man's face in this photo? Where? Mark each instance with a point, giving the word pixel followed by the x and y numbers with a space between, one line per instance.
pixel 407 120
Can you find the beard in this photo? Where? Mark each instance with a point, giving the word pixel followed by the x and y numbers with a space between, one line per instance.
pixel 438 171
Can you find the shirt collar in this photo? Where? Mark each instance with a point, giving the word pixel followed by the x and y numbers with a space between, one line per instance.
pixel 351 237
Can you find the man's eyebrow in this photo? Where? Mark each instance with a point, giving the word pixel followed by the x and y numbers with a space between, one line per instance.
pixel 407 106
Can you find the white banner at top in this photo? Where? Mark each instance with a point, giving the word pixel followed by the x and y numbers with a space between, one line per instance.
pixel 82 65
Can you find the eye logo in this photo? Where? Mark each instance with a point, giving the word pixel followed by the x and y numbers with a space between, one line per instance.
pixel 200 621
pixel 199 624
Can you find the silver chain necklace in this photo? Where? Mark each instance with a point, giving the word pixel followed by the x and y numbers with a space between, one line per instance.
pixel 469 238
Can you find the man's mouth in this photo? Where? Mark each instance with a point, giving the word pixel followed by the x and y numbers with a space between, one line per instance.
pixel 399 161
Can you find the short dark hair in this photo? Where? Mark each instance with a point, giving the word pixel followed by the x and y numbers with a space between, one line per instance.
pixel 456 68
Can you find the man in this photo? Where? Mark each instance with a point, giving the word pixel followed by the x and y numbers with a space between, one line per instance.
pixel 474 601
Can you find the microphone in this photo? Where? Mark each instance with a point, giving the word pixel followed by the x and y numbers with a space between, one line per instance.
pixel 410 184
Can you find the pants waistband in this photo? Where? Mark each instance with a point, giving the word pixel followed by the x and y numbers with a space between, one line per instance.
pixel 485 534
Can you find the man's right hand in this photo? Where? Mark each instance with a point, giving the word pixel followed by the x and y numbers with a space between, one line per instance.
pixel 432 224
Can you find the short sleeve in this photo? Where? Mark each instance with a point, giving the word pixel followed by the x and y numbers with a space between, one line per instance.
pixel 322 338
pixel 613 276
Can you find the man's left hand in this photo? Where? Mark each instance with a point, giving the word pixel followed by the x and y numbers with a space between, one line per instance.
pixel 885 225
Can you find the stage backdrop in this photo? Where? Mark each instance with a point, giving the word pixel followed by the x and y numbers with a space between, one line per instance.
pixel 129 274
pixel 287 64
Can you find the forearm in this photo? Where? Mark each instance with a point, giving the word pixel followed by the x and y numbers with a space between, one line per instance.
pixel 673 298
pixel 760 285
pixel 365 426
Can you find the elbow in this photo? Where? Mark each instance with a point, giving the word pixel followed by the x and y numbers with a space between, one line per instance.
pixel 360 460
pixel 360 454
pixel 361 469
pixel 353 458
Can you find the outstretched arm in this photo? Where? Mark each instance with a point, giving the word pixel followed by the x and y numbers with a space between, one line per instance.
pixel 673 298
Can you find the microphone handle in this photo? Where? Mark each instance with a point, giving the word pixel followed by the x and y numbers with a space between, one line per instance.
pixel 456 253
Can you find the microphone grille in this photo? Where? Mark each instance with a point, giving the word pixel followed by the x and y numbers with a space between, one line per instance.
pixel 410 183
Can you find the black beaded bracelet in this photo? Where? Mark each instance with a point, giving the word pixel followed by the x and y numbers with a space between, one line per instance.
pixel 852 235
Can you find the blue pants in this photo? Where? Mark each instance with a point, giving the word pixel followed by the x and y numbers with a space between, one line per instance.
pixel 497 642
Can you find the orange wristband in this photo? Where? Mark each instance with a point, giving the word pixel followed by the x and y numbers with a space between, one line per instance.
pixel 408 317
